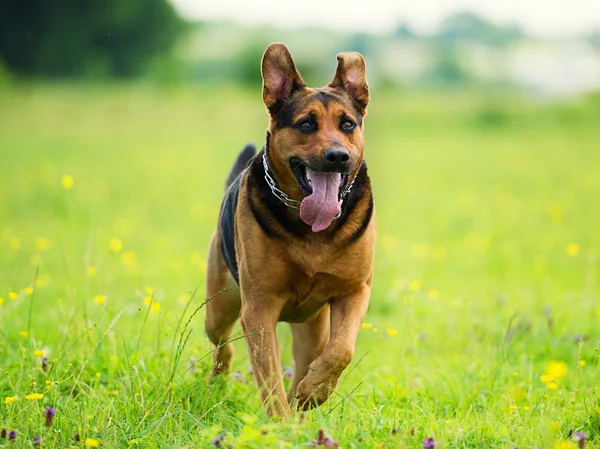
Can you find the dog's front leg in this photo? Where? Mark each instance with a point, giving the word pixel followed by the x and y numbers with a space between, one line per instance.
pixel 347 313
pixel 259 318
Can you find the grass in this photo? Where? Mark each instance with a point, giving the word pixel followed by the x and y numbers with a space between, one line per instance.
pixel 483 326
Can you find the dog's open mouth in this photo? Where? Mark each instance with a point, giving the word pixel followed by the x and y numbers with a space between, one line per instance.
pixel 321 204
pixel 304 180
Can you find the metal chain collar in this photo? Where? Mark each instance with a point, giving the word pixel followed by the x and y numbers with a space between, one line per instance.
pixel 278 193
pixel 285 199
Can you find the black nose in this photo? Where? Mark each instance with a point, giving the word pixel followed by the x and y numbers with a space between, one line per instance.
pixel 337 158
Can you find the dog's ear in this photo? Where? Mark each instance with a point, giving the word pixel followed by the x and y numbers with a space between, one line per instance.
pixel 351 75
pixel 280 77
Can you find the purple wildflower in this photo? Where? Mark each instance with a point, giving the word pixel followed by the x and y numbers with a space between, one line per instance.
pixel 36 440
pixel 49 414
pixel 322 440
pixel 12 435
pixel 289 372
pixel 429 443
pixel 3 433
pixel 580 437
pixel 217 442
pixel 238 376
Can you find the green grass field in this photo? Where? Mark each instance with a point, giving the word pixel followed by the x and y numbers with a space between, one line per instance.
pixel 483 329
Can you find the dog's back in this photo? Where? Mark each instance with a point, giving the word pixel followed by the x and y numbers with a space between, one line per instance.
pixel 241 163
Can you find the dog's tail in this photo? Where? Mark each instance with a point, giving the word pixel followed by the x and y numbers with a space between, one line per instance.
pixel 241 163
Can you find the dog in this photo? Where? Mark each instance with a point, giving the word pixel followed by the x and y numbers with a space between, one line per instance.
pixel 295 239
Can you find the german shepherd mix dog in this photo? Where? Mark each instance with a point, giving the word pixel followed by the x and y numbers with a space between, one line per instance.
pixel 296 234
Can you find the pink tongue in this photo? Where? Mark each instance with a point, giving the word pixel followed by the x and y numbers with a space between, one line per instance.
pixel 320 208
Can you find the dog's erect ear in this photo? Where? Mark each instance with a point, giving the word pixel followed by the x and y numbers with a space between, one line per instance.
pixel 280 77
pixel 351 75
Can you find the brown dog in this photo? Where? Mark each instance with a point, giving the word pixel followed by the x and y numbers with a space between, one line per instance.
pixel 296 234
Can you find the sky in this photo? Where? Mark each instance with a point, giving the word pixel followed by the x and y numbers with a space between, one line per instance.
pixel 544 18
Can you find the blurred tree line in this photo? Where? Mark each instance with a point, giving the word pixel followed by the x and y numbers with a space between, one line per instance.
pixel 74 38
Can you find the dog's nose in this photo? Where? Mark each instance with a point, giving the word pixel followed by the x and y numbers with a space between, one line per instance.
pixel 337 158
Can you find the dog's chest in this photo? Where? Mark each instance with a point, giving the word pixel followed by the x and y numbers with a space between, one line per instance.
pixel 305 297
pixel 308 292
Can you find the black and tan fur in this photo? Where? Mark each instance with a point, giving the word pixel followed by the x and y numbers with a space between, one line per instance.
pixel 274 267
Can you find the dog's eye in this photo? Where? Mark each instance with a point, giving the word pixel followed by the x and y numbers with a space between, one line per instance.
pixel 307 125
pixel 347 125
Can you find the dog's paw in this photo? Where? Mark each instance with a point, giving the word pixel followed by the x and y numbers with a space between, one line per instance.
pixel 310 393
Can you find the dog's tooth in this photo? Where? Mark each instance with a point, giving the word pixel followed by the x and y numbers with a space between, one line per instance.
pixel 308 176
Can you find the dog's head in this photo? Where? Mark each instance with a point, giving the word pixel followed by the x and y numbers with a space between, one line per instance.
pixel 315 135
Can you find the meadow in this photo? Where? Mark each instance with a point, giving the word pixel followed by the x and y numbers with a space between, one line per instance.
pixel 483 328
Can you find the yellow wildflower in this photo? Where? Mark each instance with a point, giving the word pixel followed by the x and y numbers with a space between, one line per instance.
pixel 1 301
pixel 184 298
pixel 414 286
pixel 23 334
pixel 28 291
pixel 565 445
pixel 512 407
pixel 12 295
pixel 554 426
pixel 552 386
pixel 392 332
pixel 155 307
pixel 128 258
pixel 148 300
pixel 39 353
pixel 50 383
pixel 582 363
pixel 367 325
pixel 91 271
pixel 14 243
pixel 433 294
pixel 92 442
pixel 42 244
pixel 115 244
pixel 149 291
pixel 10 400
pixel 526 408
pixel 34 396
pixel 196 258
pixel 546 378
pixel 556 369
pixel 515 374
pixel 100 299
pixel 67 182
pixel 40 282
pixel 572 249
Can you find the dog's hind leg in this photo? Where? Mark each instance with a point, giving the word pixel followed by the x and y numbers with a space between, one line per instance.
pixel 224 309
pixel 310 340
